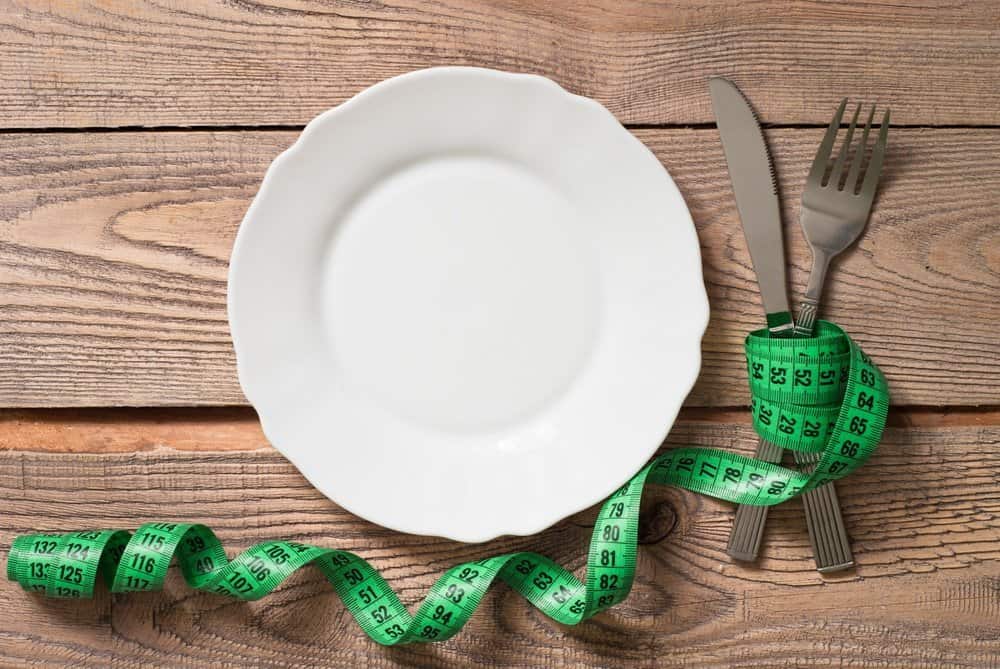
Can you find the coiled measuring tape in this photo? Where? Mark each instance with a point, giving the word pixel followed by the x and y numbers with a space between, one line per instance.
pixel 821 394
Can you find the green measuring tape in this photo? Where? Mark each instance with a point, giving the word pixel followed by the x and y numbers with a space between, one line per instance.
pixel 821 394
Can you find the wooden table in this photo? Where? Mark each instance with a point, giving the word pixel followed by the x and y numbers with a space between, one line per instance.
pixel 134 134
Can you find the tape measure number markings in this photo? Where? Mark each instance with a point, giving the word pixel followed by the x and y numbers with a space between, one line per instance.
pixel 819 395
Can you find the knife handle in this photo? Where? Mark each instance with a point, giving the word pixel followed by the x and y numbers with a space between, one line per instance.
pixel 748 526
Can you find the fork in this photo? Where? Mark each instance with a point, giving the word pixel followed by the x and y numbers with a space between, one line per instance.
pixel 834 214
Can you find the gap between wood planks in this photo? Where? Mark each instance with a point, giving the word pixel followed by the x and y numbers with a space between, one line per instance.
pixel 234 428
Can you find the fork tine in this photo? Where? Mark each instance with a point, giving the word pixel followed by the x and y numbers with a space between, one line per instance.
pixel 852 176
pixel 826 147
pixel 875 165
pixel 838 167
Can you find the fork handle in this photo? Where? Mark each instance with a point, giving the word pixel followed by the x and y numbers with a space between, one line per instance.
pixel 827 534
pixel 805 319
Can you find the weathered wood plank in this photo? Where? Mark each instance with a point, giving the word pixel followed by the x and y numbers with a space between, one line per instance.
pixel 272 62
pixel 924 514
pixel 114 250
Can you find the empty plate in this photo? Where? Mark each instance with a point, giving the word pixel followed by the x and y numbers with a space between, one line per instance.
pixel 467 303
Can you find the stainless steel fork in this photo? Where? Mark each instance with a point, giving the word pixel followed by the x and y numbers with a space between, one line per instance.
pixel 834 213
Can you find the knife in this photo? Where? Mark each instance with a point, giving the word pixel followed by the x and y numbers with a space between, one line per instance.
pixel 751 171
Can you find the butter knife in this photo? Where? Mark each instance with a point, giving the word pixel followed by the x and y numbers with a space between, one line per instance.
pixel 751 171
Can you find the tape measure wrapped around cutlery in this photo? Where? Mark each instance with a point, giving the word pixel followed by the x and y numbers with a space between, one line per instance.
pixel 821 394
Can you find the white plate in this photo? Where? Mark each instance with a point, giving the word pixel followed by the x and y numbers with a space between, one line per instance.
pixel 467 303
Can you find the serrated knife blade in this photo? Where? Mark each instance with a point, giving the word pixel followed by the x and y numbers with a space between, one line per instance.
pixel 752 174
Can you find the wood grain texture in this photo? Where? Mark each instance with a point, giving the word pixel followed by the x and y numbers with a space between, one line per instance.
pixel 266 62
pixel 114 250
pixel 113 256
pixel 924 514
